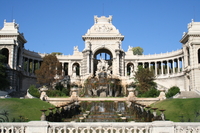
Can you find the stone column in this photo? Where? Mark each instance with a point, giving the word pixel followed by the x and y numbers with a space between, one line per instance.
pixel 117 61
pixel 149 65
pixel 10 60
pixel 168 67
pixel 125 69
pixel 23 63
pixel 92 65
pixel 15 57
pixel 156 68
pixel 123 72
pixel 173 66
pixel 39 64
pixel 28 66
pixel 161 65
pixel 182 63
pixel 70 68
pixel 178 60
pixel 135 66
pixel 88 62
pixel 62 68
pixel 33 66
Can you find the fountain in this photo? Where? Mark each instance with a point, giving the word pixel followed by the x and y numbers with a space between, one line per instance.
pixel 103 86
pixel 102 99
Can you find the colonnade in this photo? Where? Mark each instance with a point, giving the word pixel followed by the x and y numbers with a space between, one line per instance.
pixel 161 67
pixel 30 65
pixel 68 68
pixel 170 66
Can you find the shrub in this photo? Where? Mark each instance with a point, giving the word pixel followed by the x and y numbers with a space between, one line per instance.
pixel 59 91
pixel 150 93
pixel 34 91
pixel 172 91
pixel 59 87
pixel 62 89
pixel 66 91
pixel 55 93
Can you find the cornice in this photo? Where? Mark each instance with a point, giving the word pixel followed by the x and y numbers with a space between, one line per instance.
pixel 18 35
pixel 8 36
pixel 186 36
pixel 21 38
pixel 103 37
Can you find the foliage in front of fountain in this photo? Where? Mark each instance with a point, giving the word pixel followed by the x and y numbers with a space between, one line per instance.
pixel 102 86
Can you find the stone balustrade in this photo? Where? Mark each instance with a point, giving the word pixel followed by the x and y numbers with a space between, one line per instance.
pixel 96 127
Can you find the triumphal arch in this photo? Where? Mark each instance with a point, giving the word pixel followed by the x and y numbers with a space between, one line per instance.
pixel 103 56
pixel 103 45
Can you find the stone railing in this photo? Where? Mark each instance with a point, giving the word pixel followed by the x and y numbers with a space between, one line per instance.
pixel 96 127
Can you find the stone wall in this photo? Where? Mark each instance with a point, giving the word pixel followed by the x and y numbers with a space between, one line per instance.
pixel 171 81
pixel 27 81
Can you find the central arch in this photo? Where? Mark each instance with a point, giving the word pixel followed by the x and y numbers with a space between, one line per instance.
pixel 104 54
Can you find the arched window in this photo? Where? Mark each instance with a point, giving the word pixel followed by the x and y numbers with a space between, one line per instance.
pixel 130 68
pixel 76 69
pixel 103 54
pixel 199 56
pixel 5 52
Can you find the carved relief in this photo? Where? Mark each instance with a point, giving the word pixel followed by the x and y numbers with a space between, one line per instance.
pixel 103 28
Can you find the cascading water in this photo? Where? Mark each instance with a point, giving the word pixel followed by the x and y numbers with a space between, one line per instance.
pixel 121 107
pixel 110 111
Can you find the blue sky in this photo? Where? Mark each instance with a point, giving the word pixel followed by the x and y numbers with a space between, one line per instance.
pixel 58 25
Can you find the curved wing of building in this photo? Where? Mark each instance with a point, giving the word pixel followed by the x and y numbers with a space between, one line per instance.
pixel 103 52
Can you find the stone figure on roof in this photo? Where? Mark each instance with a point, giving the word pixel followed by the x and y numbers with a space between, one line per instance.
pixel 76 48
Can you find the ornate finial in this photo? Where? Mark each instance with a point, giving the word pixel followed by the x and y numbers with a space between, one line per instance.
pixel 102 19
pixel 192 20
pixel 110 18
pixel 13 20
pixel 95 19
pixel 4 20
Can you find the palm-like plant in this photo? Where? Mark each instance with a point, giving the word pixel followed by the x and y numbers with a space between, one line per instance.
pixel 4 116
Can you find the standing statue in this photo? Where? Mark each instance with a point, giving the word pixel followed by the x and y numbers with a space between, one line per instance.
pixel 74 71
pixel 131 71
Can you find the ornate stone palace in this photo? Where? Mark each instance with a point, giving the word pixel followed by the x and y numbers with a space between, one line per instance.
pixel 103 53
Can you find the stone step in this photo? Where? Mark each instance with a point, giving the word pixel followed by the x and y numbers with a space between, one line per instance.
pixel 188 94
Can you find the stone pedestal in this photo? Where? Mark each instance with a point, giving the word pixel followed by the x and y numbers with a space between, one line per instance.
pixel 162 127
pixel 37 127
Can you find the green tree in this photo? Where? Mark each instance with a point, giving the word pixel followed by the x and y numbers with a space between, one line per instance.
pixel 56 53
pixel 3 75
pixel 49 69
pixel 144 79
pixel 137 50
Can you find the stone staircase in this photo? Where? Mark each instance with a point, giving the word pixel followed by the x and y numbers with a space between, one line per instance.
pixel 188 94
